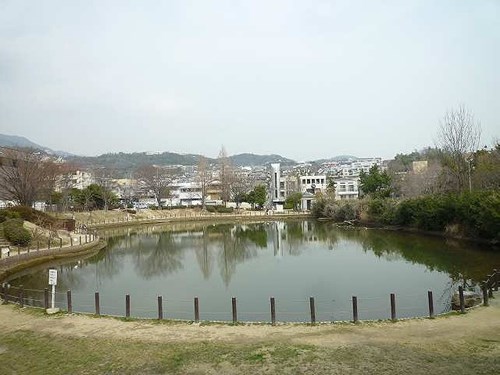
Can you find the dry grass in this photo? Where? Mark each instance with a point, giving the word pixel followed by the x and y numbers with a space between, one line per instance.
pixel 23 352
pixel 34 343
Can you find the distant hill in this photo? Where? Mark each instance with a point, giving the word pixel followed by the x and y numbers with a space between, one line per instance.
pixel 131 161
pixel 252 160
pixel 15 141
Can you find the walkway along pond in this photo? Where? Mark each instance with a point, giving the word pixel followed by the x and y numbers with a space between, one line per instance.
pixel 273 271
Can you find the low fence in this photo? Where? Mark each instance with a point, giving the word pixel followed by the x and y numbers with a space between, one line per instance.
pixel 40 298
pixel 16 254
pixel 129 219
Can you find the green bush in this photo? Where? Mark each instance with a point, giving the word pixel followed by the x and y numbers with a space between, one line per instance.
pixel 33 216
pixel 477 214
pixel 382 210
pixel 7 214
pixel 318 208
pixel 15 232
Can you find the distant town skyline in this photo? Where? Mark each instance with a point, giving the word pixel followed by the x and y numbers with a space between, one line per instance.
pixel 305 80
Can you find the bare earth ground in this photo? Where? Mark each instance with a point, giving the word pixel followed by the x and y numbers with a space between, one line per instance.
pixel 458 344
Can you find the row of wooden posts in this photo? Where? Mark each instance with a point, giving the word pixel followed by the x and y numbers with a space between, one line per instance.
pixel 487 288
pixel 87 238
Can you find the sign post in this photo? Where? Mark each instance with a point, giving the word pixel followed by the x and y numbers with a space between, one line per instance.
pixel 53 282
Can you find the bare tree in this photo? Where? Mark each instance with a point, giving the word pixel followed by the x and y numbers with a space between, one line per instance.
pixel 25 174
pixel 416 183
pixel 226 175
pixel 458 138
pixel 240 186
pixel 103 177
pixel 156 180
pixel 64 184
pixel 204 178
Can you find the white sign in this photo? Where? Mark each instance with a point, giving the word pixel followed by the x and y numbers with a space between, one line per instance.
pixel 52 277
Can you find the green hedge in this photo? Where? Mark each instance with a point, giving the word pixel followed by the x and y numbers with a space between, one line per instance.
pixel 15 232
pixel 477 214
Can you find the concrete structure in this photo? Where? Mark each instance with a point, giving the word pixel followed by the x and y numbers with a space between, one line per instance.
pixel 313 184
pixel 347 188
pixel 277 195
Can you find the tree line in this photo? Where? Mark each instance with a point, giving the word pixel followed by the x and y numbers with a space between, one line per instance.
pixel 453 187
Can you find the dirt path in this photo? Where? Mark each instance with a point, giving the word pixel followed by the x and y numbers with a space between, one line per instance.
pixel 482 323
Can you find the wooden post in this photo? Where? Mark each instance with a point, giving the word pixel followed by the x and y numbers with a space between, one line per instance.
pixel 69 302
pixel 160 307
pixel 97 304
pixel 4 293
pixel 495 276
pixel 127 306
pixel 273 311
pixel 37 245
pixel 431 304
pixel 490 286
pixel 80 240
pixel 313 310
pixel 60 243
pixel 355 309
pixel 393 306
pixel 21 296
pixel 48 244
pixel 462 301
pixel 71 240
pixel 46 298
pixel 484 287
pixel 196 310
pixel 235 312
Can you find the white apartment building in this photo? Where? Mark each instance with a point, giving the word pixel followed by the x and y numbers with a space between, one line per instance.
pixel 313 184
pixel 309 187
pixel 277 194
pixel 346 188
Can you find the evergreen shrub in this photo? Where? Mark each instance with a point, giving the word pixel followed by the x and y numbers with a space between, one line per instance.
pixel 15 232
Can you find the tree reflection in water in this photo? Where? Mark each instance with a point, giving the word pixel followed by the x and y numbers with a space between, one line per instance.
pixel 161 250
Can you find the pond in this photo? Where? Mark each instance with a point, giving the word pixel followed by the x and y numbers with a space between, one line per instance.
pixel 288 260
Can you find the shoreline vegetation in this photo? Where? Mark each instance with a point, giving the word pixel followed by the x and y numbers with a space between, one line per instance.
pixel 469 216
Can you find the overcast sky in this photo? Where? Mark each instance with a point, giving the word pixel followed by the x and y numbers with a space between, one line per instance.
pixel 304 79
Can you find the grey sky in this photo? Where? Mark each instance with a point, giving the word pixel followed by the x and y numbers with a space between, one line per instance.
pixel 305 79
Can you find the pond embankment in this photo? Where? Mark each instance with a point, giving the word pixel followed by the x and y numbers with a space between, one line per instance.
pixel 28 259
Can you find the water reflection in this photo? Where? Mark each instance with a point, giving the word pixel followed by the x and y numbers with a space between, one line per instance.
pixel 191 254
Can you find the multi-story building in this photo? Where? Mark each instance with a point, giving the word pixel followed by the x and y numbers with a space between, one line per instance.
pixel 276 188
pixel 313 184
pixel 309 187
pixel 346 188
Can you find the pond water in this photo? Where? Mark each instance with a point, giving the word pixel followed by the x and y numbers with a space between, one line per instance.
pixel 289 260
